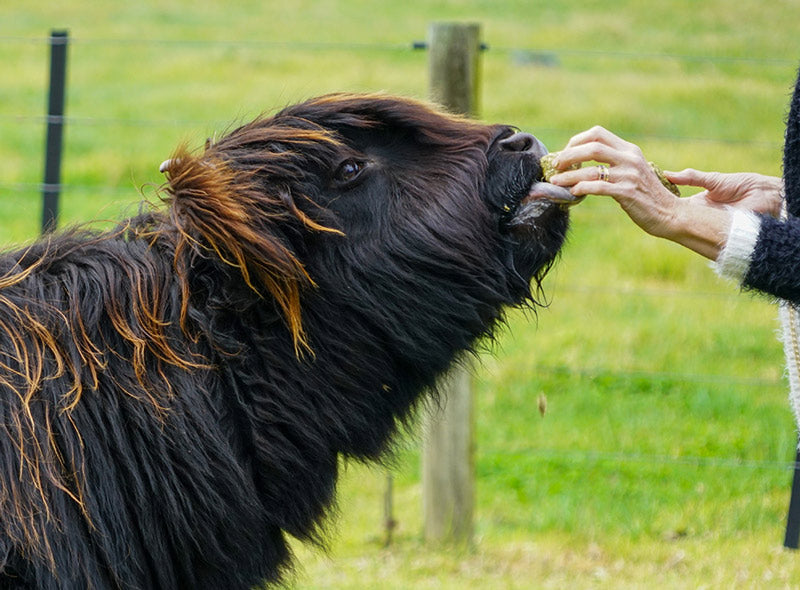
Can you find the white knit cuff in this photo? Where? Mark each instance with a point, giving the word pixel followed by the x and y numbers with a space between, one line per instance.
pixel 734 260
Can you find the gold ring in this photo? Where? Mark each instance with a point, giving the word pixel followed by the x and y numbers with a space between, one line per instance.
pixel 602 172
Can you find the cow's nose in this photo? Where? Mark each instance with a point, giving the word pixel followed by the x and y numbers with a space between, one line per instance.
pixel 523 142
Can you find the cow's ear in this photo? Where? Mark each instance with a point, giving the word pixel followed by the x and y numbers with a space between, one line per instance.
pixel 221 213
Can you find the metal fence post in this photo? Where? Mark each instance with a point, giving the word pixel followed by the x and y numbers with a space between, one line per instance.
pixel 792 538
pixel 51 187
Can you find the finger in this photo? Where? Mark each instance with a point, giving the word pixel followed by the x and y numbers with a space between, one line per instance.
pixel 601 135
pixel 595 150
pixel 573 177
pixel 594 187
pixel 692 177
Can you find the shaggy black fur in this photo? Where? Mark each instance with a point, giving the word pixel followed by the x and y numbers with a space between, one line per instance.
pixel 175 394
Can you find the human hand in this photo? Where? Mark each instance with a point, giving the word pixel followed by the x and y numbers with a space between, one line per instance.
pixel 623 174
pixel 741 190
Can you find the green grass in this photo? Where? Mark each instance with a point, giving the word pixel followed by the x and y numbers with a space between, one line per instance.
pixel 661 460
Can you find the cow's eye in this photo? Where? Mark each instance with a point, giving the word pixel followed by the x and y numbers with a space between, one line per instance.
pixel 348 172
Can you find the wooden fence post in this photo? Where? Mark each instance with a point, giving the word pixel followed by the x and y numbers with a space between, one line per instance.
pixel 448 468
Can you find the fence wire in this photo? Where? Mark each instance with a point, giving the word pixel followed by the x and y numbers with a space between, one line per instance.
pixel 546 56
pixel 585 456
pixel 539 54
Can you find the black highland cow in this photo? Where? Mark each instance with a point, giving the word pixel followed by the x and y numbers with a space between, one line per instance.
pixel 176 393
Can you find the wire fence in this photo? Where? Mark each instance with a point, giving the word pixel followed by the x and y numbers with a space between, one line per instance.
pixel 534 55
pixel 533 52
pixel 544 56
pixel 573 455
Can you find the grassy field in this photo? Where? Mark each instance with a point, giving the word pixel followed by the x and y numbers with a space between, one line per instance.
pixel 663 457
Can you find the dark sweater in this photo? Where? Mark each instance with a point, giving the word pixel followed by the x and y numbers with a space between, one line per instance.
pixel 775 260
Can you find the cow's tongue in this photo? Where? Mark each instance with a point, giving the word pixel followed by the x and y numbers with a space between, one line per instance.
pixel 551 192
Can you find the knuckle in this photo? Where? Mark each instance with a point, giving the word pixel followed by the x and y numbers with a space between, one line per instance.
pixel 625 175
pixel 627 188
pixel 636 151
pixel 597 131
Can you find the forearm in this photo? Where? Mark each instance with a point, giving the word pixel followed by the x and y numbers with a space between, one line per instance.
pixel 702 229
pixel 702 223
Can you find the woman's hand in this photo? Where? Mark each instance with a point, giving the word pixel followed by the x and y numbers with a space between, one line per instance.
pixel 630 179
pixel 700 223
pixel 742 190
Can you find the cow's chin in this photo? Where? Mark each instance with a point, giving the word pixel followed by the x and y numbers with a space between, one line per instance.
pixel 539 224
pixel 543 206
pixel 537 229
pixel 541 198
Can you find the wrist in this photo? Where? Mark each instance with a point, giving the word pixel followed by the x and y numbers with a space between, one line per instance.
pixel 700 228
pixel 734 259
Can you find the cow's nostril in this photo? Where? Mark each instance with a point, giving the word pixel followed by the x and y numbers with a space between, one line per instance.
pixel 519 142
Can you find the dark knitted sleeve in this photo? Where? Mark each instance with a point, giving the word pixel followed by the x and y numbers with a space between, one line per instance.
pixel 775 263
pixel 791 155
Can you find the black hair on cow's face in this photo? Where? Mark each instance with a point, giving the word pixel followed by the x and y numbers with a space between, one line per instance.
pixel 176 394
pixel 407 232
pixel 398 180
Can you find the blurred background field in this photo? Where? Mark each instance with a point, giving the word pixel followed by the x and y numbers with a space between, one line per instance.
pixel 664 456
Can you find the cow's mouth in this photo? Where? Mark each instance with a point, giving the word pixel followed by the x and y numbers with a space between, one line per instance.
pixel 542 190
pixel 541 198
pixel 518 164
pixel 534 214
